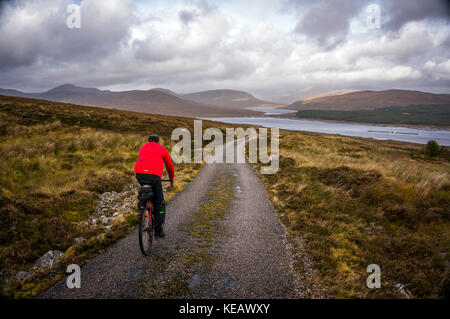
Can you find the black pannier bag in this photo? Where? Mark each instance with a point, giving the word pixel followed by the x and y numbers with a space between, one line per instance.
pixel 145 194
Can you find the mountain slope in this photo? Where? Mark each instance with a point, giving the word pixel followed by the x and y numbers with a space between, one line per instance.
pixel 370 100
pixel 227 99
pixel 154 101
pixel 165 91
pixel 16 93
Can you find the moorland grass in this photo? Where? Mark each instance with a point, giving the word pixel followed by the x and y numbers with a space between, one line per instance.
pixel 355 202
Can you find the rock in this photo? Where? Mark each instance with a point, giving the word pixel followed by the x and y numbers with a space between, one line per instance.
pixel 49 259
pixel 4 274
pixel 377 228
pixel 195 281
pixel 79 240
pixel 21 275
pixel 111 205
pixel 404 291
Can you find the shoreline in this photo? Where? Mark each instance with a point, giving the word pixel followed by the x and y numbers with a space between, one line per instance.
pixel 293 116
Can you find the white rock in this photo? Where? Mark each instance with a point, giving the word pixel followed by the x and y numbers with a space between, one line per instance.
pixel 21 275
pixel 79 240
pixel 404 291
pixel 49 259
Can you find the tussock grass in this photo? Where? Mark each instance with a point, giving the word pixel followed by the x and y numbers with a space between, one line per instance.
pixel 355 202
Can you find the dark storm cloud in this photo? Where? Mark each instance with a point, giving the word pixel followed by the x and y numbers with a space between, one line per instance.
pixel 400 12
pixel 3 4
pixel 30 33
pixel 326 21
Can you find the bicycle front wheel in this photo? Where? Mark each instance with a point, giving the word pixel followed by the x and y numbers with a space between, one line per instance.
pixel 146 232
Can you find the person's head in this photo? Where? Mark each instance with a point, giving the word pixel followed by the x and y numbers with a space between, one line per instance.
pixel 153 138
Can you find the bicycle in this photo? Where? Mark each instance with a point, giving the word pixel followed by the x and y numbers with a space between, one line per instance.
pixel 146 225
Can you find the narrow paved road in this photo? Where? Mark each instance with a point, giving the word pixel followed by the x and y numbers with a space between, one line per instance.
pixel 248 259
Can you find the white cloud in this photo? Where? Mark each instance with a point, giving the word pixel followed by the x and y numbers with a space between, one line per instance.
pixel 438 71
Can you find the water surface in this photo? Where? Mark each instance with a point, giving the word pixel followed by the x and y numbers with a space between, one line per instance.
pixel 415 135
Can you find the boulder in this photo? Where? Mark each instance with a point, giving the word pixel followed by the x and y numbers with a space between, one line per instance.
pixel 49 259
pixel 404 292
pixel 79 240
pixel 22 275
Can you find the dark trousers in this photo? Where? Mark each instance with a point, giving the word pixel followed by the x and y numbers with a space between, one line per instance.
pixel 158 198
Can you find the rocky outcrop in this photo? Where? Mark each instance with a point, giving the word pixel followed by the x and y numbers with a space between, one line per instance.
pixel 79 240
pixel 113 206
pixel 49 259
pixel 22 275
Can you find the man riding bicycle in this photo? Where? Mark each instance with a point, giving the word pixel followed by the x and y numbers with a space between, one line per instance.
pixel 149 169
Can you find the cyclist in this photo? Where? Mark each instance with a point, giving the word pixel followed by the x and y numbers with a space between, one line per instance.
pixel 148 169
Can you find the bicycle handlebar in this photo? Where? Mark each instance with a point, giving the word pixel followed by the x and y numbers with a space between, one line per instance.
pixel 166 180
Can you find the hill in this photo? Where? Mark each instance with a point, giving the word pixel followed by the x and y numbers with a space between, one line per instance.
pixel 154 101
pixel 229 99
pixel 370 100
pixel 429 115
pixel 166 91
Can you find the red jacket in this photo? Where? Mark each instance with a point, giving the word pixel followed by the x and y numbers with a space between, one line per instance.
pixel 152 157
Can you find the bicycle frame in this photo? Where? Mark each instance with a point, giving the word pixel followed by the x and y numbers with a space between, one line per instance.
pixel 149 206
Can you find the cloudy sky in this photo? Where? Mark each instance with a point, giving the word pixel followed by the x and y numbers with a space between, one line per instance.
pixel 275 49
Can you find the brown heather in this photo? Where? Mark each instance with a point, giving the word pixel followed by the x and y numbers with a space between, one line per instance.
pixel 355 202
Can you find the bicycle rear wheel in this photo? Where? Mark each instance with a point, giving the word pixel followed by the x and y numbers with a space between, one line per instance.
pixel 146 232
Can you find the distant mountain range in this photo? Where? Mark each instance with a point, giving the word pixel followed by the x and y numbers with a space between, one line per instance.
pixel 226 103
pixel 213 103
pixel 369 100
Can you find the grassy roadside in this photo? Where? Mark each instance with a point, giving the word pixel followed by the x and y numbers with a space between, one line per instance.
pixel 355 202
pixel 56 160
